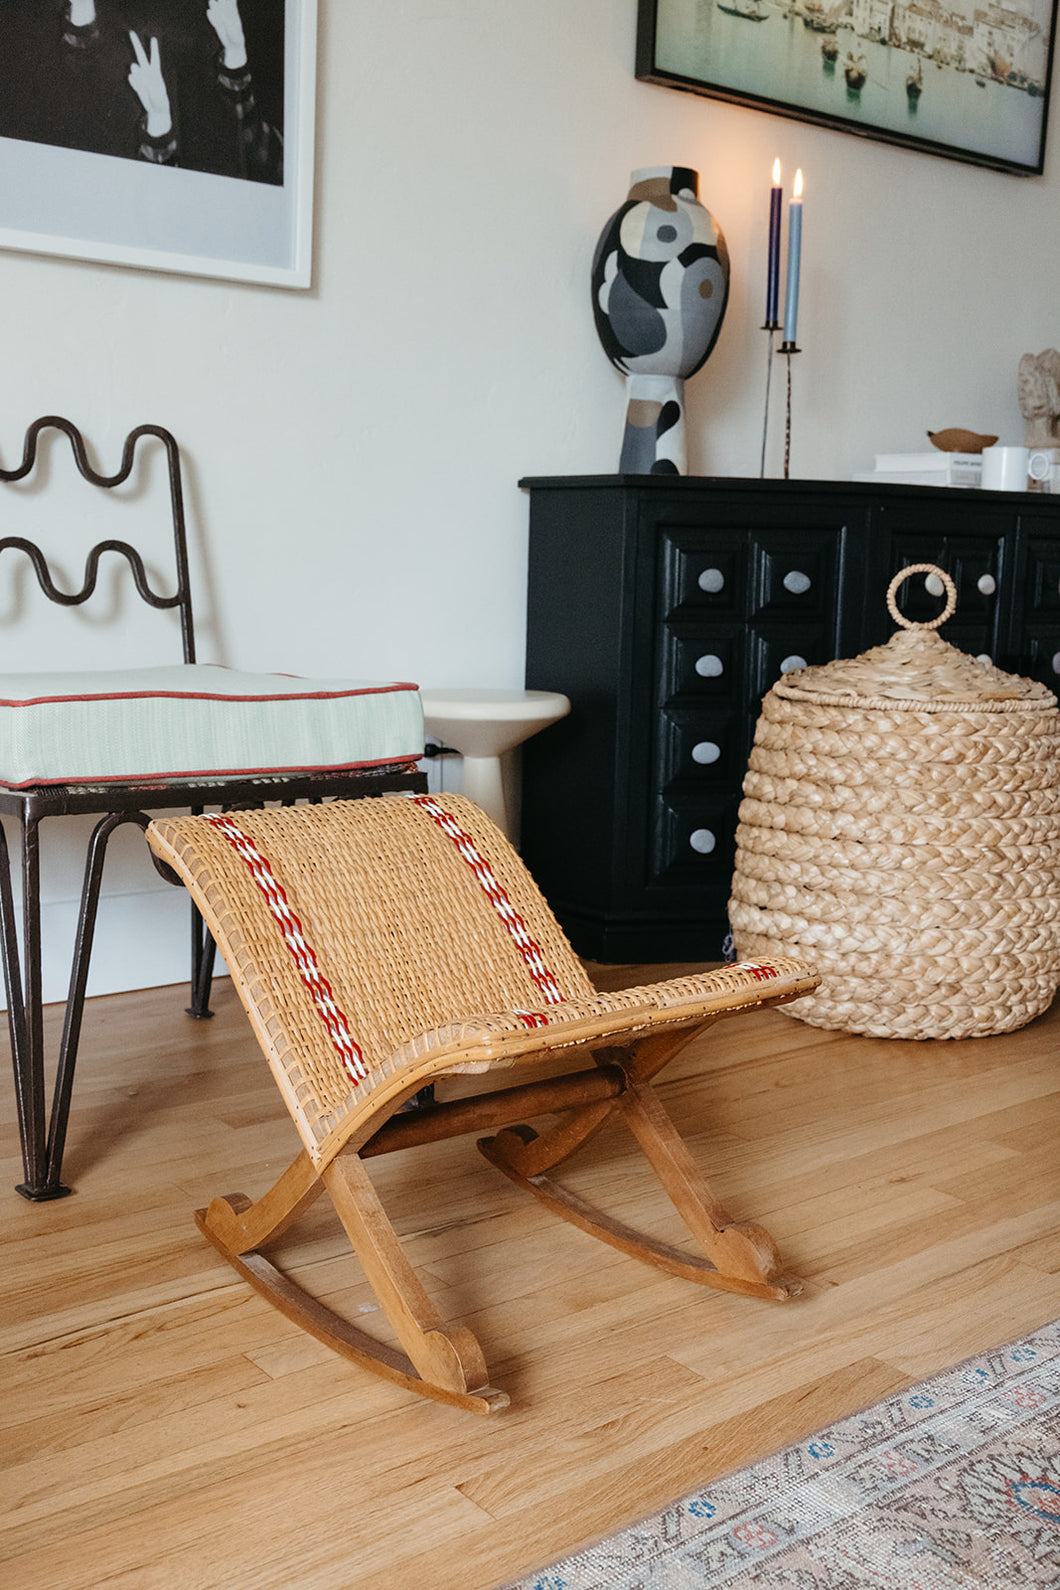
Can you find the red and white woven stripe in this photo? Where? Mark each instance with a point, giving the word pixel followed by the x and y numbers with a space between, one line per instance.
pixel 527 946
pixel 761 971
pixel 531 1018
pixel 302 952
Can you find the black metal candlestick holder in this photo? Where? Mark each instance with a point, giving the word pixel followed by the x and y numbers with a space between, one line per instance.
pixel 787 349
pixel 771 326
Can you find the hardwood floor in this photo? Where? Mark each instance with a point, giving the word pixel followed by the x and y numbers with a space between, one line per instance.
pixel 161 1426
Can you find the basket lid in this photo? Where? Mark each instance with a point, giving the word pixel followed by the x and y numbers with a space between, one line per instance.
pixel 917 670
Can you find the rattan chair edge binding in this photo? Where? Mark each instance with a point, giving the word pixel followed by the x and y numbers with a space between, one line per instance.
pixel 494 1038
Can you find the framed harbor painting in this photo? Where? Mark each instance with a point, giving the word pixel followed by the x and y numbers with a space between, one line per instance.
pixel 968 79
pixel 160 134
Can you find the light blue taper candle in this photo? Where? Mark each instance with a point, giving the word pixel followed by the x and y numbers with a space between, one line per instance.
pixel 791 301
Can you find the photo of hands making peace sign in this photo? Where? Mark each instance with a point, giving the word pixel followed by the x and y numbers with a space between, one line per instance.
pixel 191 83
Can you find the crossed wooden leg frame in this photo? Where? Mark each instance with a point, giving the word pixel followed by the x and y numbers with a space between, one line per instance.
pixel 446 1363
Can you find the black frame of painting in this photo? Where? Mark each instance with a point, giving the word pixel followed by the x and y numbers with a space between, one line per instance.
pixel 648 71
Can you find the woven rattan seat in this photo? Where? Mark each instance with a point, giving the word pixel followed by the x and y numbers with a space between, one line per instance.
pixel 378 945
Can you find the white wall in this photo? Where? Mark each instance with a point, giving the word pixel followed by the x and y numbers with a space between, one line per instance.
pixel 353 450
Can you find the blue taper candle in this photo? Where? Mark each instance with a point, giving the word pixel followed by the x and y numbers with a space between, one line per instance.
pixel 791 302
pixel 773 274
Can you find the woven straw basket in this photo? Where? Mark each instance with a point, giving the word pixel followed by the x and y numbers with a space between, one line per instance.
pixel 901 828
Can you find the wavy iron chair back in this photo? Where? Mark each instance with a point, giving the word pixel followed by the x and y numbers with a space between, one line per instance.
pixel 181 597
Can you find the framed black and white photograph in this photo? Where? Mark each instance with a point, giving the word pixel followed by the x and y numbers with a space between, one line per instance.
pixel 168 134
pixel 960 78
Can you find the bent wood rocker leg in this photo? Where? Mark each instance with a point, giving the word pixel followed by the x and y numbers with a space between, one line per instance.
pixel 438 1362
pixel 448 1362
pixel 235 1225
pixel 740 1256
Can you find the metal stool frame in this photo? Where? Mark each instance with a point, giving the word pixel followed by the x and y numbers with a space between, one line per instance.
pixel 43 1131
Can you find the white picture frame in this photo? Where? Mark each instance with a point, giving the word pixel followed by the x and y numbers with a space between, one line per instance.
pixel 78 204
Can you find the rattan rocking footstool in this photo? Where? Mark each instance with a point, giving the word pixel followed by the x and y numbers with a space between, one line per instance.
pixel 379 944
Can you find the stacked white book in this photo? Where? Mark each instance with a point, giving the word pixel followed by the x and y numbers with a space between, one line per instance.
pixel 926 469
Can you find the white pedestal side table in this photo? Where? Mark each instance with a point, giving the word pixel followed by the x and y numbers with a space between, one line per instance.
pixel 486 726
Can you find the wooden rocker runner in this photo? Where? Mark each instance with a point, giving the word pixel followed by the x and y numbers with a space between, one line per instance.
pixel 380 944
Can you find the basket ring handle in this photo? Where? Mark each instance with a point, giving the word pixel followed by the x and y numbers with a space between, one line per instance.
pixel 922 568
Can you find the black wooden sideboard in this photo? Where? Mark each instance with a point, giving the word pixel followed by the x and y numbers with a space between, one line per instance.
pixel 666 607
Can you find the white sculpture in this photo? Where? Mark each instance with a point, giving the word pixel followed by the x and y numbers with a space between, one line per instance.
pixel 1038 389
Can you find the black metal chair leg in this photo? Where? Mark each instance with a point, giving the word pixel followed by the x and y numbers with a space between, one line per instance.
pixel 29 1045
pixel 203 954
pixel 203 948
pixel 75 999
pixel 16 1016
pixel 202 958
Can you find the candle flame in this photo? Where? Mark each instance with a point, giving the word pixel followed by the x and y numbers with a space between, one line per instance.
pixel 776 173
pixel 796 191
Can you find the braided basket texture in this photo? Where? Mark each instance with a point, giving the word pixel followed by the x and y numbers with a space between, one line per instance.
pixel 900 827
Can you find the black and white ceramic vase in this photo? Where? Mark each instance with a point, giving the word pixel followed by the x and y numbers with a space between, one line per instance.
pixel 660 283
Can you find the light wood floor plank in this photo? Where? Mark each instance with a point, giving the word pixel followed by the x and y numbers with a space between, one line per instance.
pixel 162 1428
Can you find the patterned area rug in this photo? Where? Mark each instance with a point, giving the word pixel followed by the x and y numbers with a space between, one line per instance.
pixel 950 1484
